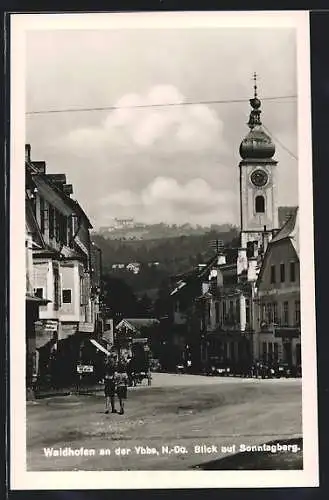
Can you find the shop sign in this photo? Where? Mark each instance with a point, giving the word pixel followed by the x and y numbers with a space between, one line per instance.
pixel 50 326
pixel 85 368
pixel 140 341
pixel 86 327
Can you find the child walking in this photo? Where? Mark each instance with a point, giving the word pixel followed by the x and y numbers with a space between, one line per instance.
pixel 121 383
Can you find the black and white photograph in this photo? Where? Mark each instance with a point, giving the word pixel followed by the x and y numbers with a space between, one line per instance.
pixel 162 275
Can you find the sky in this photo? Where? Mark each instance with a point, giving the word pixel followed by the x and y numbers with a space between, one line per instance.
pixel 174 164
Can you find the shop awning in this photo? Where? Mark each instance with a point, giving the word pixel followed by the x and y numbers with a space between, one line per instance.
pixel 33 299
pixel 100 347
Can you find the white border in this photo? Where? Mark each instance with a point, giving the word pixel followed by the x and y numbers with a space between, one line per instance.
pixel 20 478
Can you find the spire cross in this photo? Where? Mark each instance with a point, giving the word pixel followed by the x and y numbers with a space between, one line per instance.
pixel 255 84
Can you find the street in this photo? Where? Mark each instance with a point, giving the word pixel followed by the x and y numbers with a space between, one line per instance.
pixel 178 423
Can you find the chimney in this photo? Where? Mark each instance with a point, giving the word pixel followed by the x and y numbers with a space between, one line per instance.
pixel 68 189
pixel 265 239
pixel 27 152
pixel 40 166
pixel 58 179
pixel 242 261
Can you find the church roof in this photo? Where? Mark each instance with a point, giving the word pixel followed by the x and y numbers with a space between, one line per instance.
pixel 257 145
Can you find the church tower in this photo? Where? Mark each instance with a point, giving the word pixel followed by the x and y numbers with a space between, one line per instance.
pixel 258 195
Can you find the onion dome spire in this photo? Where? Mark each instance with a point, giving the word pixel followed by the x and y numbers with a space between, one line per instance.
pixel 257 144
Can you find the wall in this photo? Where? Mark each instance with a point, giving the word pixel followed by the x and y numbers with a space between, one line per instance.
pixel 44 278
pixel 278 293
pixel 281 252
pixel 70 280
pixel 29 264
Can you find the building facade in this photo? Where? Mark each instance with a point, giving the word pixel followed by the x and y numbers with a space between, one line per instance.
pixel 278 334
pixel 62 275
pixel 230 303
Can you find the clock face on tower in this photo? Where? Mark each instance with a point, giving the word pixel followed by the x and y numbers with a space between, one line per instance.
pixel 259 177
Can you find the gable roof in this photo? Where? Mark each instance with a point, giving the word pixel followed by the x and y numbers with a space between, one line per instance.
pixel 290 232
pixel 284 214
pixel 138 323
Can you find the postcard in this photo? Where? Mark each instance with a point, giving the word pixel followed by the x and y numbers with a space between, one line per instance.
pixel 162 321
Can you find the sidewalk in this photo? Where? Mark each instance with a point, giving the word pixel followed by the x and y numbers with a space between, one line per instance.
pixel 66 391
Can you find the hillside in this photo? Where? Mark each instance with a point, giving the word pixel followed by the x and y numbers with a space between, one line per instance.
pixel 138 231
pixel 158 258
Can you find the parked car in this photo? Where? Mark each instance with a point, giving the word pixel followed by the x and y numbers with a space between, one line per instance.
pixel 284 370
pixel 218 368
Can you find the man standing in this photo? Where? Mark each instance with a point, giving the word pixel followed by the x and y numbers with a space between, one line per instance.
pixel 109 385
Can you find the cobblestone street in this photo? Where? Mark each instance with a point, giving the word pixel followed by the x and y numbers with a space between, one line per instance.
pixel 180 422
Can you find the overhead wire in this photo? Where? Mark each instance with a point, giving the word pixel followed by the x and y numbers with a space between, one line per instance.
pixel 280 143
pixel 155 105
pixel 164 105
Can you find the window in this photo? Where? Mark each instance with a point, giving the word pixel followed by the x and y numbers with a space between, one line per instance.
pixel 259 204
pixel 70 231
pixel 270 352
pixel 51 221
pixel 56 289
pixel 38 292
pixel 67 296
pixel 275 312
pixel 297 312
pixel 269 308
pixel 217 311
pixel 43 216
pixel 264 357
pixel 57 225
pixel 63 229
pixel 282 273
pixel 248 312
pixel 231 312
pixel 286 313
pixel 292 272
pixel 298 354
pixel 273 274
pixel 237 311
pixel 275 352
pixel 82 292
pixel 264 313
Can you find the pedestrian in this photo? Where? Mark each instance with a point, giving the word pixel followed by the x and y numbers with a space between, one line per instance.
pixel 109 385
pixel 121 384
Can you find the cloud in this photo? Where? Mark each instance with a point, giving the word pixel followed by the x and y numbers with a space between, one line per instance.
pixel 166 199
pixel 138 123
